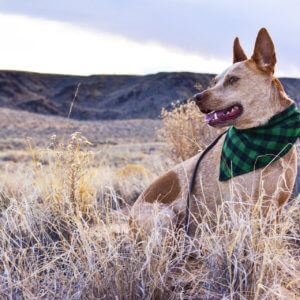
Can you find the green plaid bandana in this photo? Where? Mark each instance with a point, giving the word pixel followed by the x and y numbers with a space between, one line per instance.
pixel 250 149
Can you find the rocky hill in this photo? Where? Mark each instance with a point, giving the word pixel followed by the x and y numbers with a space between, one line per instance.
pixel 105 97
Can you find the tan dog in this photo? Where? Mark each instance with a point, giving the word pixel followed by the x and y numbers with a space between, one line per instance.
pixel 249 90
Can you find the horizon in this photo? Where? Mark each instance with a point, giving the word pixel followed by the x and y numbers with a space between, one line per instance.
pixel 123 74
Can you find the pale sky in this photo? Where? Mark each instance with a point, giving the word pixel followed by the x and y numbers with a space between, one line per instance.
pixel 141 36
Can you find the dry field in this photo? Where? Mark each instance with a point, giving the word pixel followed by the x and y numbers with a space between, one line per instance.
pixel 65 200
pixel 120 142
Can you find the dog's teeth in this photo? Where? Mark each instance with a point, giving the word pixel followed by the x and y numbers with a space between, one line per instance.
pixel 215 116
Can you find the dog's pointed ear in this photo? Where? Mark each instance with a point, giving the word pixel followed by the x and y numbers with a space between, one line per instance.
pixel 238 52
pixel 264 52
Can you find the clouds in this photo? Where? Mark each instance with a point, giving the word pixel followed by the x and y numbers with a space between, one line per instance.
pixel 201 28
pixel 57 47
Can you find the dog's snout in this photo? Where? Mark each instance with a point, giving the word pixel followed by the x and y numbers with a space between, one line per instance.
pixel 199 97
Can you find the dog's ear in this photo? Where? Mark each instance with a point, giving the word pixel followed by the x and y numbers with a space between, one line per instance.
pixel 264 52
pixel 238 52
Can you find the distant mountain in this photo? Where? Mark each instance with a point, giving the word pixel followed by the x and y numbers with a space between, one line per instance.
pixel 105 97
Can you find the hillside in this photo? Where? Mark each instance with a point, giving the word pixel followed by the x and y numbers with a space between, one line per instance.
pixel 105 97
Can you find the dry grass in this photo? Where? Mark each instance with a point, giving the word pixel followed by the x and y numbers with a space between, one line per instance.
pixel 131 180
pixel 185 131
pixel 64 235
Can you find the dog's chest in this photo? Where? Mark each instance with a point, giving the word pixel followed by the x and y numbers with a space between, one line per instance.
pixel 209 190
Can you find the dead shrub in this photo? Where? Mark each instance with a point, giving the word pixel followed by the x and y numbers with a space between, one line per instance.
pixel 185 130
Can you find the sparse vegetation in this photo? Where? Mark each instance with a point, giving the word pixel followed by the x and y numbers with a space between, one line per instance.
pixel 64 233
pixel 185 131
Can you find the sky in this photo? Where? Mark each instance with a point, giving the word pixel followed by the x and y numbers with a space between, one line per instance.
pixel 143 36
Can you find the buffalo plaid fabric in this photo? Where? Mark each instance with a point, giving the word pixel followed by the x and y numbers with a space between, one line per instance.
pixel 249 149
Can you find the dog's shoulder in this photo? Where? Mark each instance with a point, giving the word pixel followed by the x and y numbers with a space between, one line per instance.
pixel 168 186
pixel 164 189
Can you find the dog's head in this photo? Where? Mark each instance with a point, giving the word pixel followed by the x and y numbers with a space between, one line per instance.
pixel 246 94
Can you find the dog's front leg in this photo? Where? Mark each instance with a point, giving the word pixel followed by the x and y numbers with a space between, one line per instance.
pixel 152 220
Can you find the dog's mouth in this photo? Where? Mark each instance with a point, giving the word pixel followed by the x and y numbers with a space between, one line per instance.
pixel 223 117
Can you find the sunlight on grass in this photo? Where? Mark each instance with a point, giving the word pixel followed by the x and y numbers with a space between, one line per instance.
pixel 64 234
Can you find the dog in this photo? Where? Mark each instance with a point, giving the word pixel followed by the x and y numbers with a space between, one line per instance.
pixel 246 95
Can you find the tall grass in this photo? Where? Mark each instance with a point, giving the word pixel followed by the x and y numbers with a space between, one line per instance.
pixel 64 235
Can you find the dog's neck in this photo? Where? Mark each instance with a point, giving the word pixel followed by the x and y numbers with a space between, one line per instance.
pixel 266 143
pixel 278 97
pixel 277 101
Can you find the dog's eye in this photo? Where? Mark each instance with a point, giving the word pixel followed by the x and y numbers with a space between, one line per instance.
pixel 213 83
pixel 233 79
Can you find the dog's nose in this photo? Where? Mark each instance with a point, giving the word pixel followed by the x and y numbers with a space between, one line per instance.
pixel 199 97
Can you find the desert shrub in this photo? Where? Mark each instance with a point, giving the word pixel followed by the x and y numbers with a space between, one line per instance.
pixel 67 183
pixel 185 131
